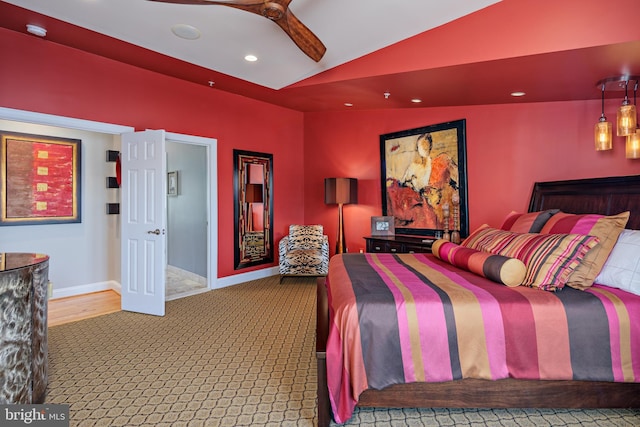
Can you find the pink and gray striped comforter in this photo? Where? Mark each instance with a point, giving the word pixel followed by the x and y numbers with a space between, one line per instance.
pixel 411 317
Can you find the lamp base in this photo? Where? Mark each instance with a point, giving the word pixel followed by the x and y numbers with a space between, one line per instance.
pixel 341 246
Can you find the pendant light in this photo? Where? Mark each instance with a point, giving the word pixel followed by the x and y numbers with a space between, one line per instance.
pixel 626 114
pixel 633 140
pixel 603 132
pixel 633 145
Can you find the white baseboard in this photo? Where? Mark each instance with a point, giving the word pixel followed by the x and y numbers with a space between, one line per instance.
pixel 84 289
pixel 223 282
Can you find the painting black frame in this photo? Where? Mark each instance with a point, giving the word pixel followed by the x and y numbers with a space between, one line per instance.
pixel 447 139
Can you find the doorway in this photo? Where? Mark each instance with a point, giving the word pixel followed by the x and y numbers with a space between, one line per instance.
pixel 187 219
pixel 147 186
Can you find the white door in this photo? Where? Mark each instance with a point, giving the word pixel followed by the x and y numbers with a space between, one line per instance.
pixel 143 221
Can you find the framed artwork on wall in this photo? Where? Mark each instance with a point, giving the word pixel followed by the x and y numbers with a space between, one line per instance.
pixel 422 171
pixel 40 178
pixel 172 183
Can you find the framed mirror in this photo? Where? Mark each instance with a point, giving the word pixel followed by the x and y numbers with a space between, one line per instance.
pixel 253 208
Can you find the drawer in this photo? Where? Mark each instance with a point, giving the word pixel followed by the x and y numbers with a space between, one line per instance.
pixel 395 247
pixel 411 248
pixel 373 246
pixel 398 245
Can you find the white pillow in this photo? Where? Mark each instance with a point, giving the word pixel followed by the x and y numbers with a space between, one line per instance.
pixel 622 268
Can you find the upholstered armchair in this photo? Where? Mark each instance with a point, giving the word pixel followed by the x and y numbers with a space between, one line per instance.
pixel 304 252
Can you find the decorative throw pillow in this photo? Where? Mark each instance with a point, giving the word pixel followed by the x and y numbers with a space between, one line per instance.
pixel 549 258
pixel 605 228
pixel 622 269
pixel 501 269
pixel 305 237
pixel 531 222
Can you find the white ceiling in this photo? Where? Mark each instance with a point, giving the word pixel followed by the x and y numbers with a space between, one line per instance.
pixel 348 28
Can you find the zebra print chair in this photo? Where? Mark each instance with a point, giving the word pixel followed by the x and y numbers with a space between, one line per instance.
pixel 304 252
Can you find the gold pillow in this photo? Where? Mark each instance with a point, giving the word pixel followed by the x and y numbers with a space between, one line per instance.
pixel 605 228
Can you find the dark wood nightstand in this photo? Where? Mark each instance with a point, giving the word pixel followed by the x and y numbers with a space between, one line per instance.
pixel 399 244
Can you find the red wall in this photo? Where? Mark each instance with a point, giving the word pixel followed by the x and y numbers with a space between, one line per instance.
pixel 48 78
pixel 509 147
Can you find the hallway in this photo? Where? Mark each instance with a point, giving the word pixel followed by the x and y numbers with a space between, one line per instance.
pixel 181 283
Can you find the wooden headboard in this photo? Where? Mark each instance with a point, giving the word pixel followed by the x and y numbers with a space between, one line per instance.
pixel 606 196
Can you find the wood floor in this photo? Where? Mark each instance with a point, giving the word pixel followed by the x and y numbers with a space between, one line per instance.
pixel 71 309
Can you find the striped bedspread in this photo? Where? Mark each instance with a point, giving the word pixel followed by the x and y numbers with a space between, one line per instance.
pixel 411 317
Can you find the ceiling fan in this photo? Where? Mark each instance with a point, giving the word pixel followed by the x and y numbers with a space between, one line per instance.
pixel 278 12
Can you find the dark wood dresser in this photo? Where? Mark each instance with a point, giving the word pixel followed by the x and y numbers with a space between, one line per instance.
pixel 398 244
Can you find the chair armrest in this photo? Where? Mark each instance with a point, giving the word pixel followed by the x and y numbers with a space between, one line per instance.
pixel 283 245
pixel 325 243
pixel 325 254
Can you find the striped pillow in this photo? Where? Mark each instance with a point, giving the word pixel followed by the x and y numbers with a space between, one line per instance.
pixel 498 268
pixel 605 228
pixel 531 222
pixel 550 258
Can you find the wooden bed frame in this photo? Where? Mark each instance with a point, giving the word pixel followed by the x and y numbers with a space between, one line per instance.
pixel 606 196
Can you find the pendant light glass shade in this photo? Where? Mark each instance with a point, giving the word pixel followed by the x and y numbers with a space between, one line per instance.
pixel 626 119
pixel 627 123
pixel 603 135
pixel 603 132
pixel 633 145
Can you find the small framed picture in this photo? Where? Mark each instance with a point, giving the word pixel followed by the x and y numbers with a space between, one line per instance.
pixel 382 226
pixel 172 183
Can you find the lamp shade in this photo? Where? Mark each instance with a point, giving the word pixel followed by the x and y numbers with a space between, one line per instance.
pixel 626 119
pixel 254 193
pixel 633 145
pixel 340 190
pixel 603 135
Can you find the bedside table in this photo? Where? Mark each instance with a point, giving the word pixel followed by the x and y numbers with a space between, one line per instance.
pixel 399 244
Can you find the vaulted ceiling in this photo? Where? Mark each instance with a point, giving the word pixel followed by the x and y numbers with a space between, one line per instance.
pixel 459 52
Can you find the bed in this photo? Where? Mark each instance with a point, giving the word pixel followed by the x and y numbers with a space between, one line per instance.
pixel 605 196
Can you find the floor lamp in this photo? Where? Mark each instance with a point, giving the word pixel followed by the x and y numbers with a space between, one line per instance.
pixel 340 191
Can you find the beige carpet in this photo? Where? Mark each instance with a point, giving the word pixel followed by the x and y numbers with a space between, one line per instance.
pixel 239 356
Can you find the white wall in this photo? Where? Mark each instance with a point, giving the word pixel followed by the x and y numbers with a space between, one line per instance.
pixel 85 254
pixel 85 257
pixel 187 212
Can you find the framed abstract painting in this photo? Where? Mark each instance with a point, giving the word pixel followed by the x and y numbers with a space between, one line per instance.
pixel 424 177
pixel 40 178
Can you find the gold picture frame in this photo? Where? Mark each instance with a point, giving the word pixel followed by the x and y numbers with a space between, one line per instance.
pixel 40 179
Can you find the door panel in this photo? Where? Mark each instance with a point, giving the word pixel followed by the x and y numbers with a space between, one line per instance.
pixel 143 216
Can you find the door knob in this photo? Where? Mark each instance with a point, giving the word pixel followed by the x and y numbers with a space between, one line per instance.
pixel 156 231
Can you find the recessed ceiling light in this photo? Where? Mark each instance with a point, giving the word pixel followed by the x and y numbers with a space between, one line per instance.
pixel 348 104
pixel 416 100
pixel 38 31
pixel 251 58
pixel 185 31
pixel 518 93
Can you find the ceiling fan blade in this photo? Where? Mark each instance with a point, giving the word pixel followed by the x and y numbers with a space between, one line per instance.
pixel 210 2
pixel 276 11
pixel 302 36
pixel 254 6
